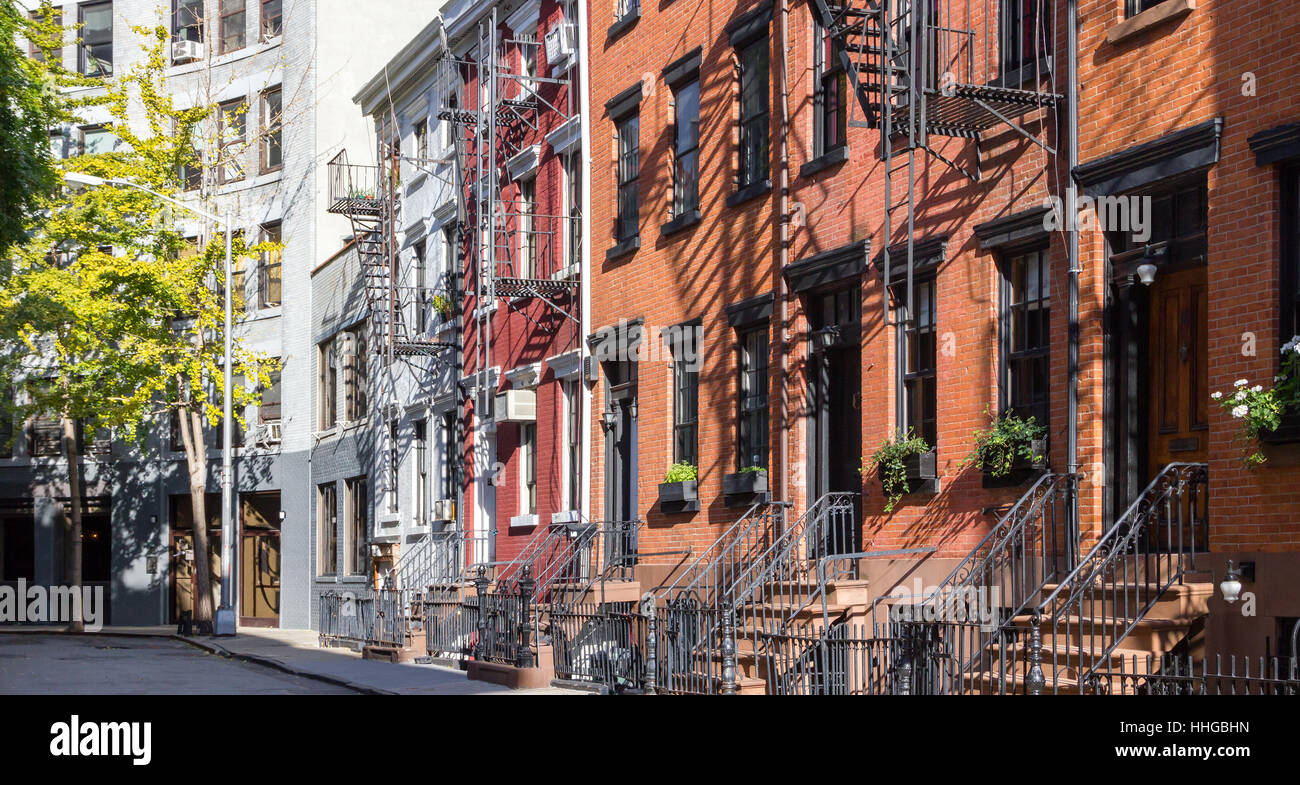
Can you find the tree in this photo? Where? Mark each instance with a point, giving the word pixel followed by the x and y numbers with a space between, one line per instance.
pixel 123 318
pixel 30 106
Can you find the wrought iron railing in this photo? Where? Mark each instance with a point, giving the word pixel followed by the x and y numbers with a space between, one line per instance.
pixel 851 660
pixel 1148 550
pixel 687 647
pixel 503 627
pixel 347 618
pixel 450 627
pixel 1183 675
pixel 707 579
pixel 352 186
pixel 602 644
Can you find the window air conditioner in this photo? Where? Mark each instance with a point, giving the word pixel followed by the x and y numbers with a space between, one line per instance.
pixel 516 406
pixel 185 51
pixel 444 510
pixel 561 41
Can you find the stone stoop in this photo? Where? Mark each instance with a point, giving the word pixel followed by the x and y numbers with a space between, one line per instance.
pixel 514 677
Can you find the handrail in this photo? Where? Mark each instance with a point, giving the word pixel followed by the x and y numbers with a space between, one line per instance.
pixel 703 579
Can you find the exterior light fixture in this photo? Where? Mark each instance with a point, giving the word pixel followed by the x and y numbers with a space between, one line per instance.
pixel 1231 583
pixel 826 337
pixel 609 418
pixel 1146 273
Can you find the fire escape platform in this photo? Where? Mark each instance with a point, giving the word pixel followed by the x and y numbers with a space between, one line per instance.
pixel 355 205
pixel 536 287
pixel 419 348
pixel 968 110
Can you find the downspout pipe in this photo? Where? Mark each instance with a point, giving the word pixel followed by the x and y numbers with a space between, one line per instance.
pixel 584 273
pixel 1072 360
pixel 783 253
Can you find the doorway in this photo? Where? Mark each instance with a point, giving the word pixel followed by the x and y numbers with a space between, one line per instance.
pixel 835 402
pixel 184 580
pixel 620 441
pixel 259 559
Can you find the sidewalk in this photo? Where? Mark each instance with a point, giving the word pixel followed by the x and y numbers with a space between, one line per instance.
pixel 297 652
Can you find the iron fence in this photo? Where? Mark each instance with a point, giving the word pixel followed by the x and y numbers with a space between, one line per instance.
pixel 1183 675
pixel 688 647
pixel 602 645
pixel 346 617
pixel 449 627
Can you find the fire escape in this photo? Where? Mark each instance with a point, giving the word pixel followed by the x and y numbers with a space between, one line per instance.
pixel 913 69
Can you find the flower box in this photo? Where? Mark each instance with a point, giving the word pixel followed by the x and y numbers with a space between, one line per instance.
pixel 744 488
pixel 922 472
pixel 1022 470
pixel 678 497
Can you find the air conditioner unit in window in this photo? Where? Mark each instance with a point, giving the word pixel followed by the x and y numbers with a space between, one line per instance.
pixel 561 41
pixel 516 406
pixel 186 51
pixel 444 510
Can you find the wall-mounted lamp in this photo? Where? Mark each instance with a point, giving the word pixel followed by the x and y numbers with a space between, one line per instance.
pixel 281 515
pixel 1231 583
pixel 826 337
pixel 1146 273
pixel 609 418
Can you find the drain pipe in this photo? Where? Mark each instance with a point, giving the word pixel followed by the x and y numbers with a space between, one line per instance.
pixel 1072 161
pixel 783 254
pixel 583 504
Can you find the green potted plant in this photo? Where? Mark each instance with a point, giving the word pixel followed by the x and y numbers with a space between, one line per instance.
pixel 1010 451
pixel 905 463
pixel 679 491
pixel 1269 416
pixel 442 306
pixel 746 482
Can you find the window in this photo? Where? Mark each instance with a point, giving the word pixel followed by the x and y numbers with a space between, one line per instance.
pixel 446 126
pixel 1290 267
pixel 327 520
pixel 45 436
pixel 394 461
pixel 190 171
pixel 528 64
pixel 269 266
pixel 96 140
pixel 232 119
pixel 329 384
pixel 268 408
pixel 1026 334
pixel 187 23
pixel 355 555
pixel 527 267
pixel 421 287
pixel 95 52
pixel 422 141
pixel 233 25
pixel 829 117
pixel 423 476
pixel 272 19
pixel 34 51
pixel 447 479
pixel 1026 28
pixel 917 362
pixel 1136 7
pixel 448 272
pixel 572 208
pixel 686 398
pixel 239 281
pixel 626 9
pixel 175 441
pixel 629 170
pixel 272 135
pixel 753 114
pixel 572 442
pixel 686 148
pixel 355 371
pixel 528 469
pixel 752 419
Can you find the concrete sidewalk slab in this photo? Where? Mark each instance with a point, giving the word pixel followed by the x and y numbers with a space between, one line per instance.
pixel 298 652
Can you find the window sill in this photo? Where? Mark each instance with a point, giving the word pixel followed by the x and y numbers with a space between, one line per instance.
pixel 684 221
pixel 749 193
pixel 826 160
pixel 523 521
pixel 622 25
pixel 1149 19
pixel 624 248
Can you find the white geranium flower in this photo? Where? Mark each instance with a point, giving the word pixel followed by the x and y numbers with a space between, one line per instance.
pixel 1240 396
pixel 1240 383
pixel 1257 388
pixel 1216 395
pixel 1240 411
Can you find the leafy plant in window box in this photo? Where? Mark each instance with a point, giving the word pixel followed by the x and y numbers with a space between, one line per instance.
pixel 679 490
pixel 1011 445
pixel 442 306
pixel 1261 410
pixel 748 481
pixel 899 460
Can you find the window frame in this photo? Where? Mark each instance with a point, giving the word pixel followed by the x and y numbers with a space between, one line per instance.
pixel 528 468
pixel 33 51
pixel 1012 359
pixel 394 468
pixel 270 403
pixel 86 42
pixel 753 148
pixel 684 203
pixel 270 267
pixel 571 164
pixel 277 19
pixel 1289 266
pixel 686 408
pixel 327 522
pixel 423 470
pixel 828 78
pixel 241 34
pixel 527 226
pixel 271 131
pixel 913 331
pixel 627 225
pixel 753 382
pixel 236 109
pixel 572 394
pixel 327 387
pixel 356 375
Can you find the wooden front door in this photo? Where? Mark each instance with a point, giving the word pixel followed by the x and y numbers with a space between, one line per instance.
pixel 1178 413
pixel 259 560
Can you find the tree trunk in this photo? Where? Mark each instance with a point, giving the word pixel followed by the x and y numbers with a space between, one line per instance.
pixel 72 573
pixel 196 456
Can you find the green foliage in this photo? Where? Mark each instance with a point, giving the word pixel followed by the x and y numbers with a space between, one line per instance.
pixel 442 305
pixel 1260 409
pixel 1007 441
pixel 120 318
pixel 682 471
pixel 751 469
pixel 889 458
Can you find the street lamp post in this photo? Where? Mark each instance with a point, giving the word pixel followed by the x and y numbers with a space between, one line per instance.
pixel 225 621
